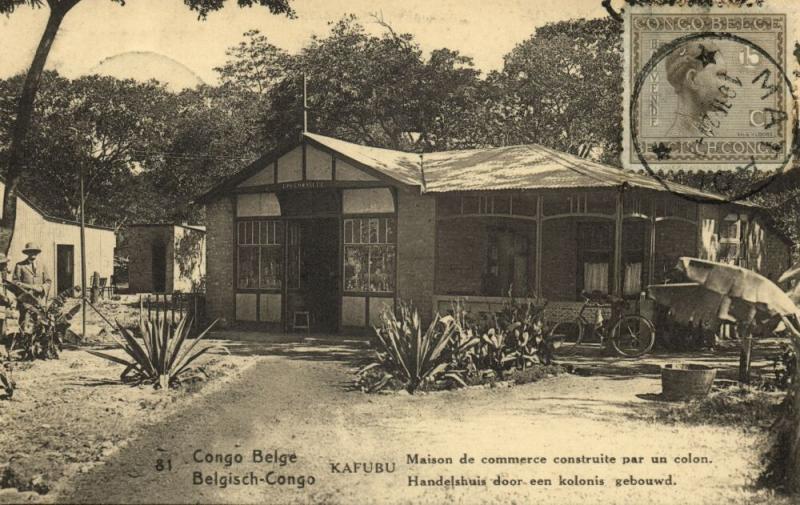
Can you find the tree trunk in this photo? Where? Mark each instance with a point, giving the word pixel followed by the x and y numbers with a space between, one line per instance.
pixel 745 357
pixel 745 329
pixel 22 123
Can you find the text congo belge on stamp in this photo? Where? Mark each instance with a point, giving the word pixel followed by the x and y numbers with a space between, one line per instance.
pixel 708 90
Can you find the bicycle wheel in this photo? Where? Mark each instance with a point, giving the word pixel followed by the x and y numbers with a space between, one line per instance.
pixel 565 336
pixel 633 336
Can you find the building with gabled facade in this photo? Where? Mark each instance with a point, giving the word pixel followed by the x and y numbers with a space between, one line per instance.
pixel 60 240
pixel 341 230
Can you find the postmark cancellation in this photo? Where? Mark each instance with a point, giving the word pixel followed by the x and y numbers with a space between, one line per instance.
pixel 707 90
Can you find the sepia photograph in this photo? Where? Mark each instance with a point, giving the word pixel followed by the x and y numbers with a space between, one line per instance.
pixel 374 252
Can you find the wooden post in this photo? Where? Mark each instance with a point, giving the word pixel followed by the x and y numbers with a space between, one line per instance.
pixel 651 259
pixel 539 234
pixel 305 104
pixel 83 257
pixel 745 355
pixel 618 222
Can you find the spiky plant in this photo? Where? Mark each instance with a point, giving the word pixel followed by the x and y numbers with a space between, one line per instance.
pixel 406 353
pixel 161 358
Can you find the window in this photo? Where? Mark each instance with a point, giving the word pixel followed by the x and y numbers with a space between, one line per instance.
pixel 594 256
pixel 260 254
pixel 369 255
pixel 507 263
pixel 730 240
pixel 633 233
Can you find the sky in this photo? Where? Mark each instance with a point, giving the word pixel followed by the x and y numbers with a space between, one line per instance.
pixel 96 30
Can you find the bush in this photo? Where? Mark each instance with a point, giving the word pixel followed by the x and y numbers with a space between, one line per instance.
pixel 734 406
pixel 161 359
pixel 42 330
pixel 456 350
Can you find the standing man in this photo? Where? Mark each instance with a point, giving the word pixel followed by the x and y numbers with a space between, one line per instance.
pixel 32 275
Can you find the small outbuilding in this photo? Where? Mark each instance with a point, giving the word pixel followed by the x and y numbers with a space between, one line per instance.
pixel 60 240
pixel 165 258
pixel 341 230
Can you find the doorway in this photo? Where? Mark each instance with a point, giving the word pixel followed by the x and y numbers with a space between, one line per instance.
pixel 158 260
pixel 65 267
pixel 317 291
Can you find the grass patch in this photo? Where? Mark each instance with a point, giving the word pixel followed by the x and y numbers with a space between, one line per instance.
pixel 735 406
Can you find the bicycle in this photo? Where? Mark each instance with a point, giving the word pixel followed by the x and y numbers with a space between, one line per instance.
pixel 630 335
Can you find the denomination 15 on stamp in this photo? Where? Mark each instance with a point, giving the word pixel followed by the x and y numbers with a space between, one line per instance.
pixel 707 90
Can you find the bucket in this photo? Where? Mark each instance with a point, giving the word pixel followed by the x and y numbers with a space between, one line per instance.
pixel 679 381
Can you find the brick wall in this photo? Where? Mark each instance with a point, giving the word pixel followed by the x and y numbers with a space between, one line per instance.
pixel 219 257
pixel 416 234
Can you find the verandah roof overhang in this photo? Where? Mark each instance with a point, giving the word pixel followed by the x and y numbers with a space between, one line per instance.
pixel 519 167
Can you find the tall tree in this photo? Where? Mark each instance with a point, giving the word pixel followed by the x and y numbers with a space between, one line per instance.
pixel 58 9
pixel 374 89
pixel 552 80
pixel 214 133
pixel 255 64
pixel 96 125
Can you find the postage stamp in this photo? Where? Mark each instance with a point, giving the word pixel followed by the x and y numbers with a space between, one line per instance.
pixel 707 90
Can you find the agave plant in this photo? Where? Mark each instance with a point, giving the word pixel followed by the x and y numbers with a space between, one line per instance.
pixel 161 358
pixel 463 348
pixel 409 355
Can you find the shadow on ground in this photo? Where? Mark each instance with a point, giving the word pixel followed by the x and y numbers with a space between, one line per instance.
pixel 292 346
pixel 592 359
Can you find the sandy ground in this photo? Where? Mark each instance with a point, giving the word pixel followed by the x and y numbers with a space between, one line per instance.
pixel 71 414
pixel 298 400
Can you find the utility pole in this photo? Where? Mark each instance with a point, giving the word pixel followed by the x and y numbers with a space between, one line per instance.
pixel 83 260
pixel 305 104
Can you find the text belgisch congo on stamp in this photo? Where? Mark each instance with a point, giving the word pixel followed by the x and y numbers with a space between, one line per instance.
pixel 707 89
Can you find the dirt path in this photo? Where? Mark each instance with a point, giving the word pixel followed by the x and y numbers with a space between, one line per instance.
pixel 299 401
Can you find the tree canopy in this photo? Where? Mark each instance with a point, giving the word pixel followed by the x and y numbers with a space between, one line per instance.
pixel 381 90
pixel 17 153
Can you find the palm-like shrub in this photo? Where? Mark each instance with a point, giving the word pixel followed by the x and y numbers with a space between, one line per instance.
pixel 161 358
pixel 406 353
pixel 42 330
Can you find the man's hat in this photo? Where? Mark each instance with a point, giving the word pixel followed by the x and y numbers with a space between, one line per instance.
pixel 31 247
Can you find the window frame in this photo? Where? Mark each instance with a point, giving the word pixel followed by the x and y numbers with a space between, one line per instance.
pixel 593 255
pixel 388 241
pixel 255 242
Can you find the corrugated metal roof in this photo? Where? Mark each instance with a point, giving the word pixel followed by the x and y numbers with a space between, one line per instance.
pixel 401 166
pixel 528 166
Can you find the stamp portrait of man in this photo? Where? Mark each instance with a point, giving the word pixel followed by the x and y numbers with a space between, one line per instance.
pixel 696 71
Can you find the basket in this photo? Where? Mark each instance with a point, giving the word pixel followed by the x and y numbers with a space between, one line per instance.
pixel 680 381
